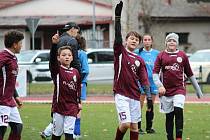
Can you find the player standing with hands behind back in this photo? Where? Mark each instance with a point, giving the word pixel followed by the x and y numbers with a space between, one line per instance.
pixel 67 91
pixel 129 72
pixel 149 55
pixel 173 64
pixel 9 114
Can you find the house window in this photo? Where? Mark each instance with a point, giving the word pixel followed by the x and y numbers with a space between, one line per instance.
pixel 183 38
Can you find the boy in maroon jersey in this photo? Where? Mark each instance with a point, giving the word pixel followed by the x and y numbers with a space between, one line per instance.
pixel 174 65
pixel 130 74
pixel 67 91
pixel 9 114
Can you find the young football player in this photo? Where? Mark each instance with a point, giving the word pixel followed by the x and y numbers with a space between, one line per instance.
pixel 67 90
pixel 9 114
pixel 129 75
pixel 149 55
pixel 173 65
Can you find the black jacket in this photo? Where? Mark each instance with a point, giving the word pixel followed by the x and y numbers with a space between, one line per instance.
pixel 67 40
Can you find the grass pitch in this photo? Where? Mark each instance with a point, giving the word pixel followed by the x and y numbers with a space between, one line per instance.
pixel 99 122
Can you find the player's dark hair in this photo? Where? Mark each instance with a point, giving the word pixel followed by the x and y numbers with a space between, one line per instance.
pixel 134 33
pixel 64 48
pixel 81 41
pixel 12 37
pixel 148 35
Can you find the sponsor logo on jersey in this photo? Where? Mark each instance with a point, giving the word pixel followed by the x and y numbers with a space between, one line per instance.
pixel 70 84
pixel 174 67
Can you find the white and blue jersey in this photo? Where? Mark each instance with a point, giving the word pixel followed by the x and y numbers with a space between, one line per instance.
pixel 149 58
pixel 84 71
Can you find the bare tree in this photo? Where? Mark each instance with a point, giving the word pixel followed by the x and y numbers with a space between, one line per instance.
pixel 145 15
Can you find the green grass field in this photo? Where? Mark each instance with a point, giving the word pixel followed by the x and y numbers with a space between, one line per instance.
pixel 47 88
pixel 99 122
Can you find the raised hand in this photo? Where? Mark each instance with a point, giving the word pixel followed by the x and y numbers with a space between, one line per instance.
pixel 118 9
pixel 55 38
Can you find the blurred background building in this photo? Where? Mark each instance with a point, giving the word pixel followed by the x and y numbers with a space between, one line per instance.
pixel 53 15
pixel 189 18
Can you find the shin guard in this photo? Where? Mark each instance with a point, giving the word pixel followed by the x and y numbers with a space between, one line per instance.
pixel 134 135
pixel 170 125
pixel 178 121
pixel 119 134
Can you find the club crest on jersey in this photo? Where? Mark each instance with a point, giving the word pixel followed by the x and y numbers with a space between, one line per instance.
pixel 137 63
pixel 75 78
pixel 179 59
pixel 15 72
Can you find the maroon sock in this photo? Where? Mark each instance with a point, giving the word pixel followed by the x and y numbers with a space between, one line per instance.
pixel 134 135
pixel 178 138
pixel 119 134
pixel 13 136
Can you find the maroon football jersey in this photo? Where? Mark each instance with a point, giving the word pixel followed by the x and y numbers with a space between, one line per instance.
pixel 67 89
pixel 8 75
pixel 174 66
pixel 129 70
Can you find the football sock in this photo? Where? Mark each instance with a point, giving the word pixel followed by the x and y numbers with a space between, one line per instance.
pixel 169 125
pixel 119 134
pixel 178 121
pixel 2 131
pixel 134 135
pixel 69 137
pixel 48 130
pixel 56 137
pixel 139 125
pixel 77 127
pixel 13 136
pixel 16 129
pixel 149 119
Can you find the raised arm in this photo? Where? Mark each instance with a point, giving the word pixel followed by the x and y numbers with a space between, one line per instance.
pixel 118 35
pixel 53 64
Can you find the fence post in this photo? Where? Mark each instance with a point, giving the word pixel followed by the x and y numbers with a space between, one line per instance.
pixel 200 78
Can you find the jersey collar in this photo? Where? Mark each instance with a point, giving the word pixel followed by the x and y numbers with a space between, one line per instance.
pixel 10 52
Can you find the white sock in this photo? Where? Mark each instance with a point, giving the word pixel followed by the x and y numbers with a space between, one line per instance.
pixel 48 130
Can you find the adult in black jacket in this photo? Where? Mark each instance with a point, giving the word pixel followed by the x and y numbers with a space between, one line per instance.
pixel 68 38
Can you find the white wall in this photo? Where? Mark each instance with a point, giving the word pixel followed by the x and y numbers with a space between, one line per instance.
pixel 199 33
pixel 56 8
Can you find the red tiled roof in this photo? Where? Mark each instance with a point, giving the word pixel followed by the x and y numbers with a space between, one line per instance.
pixel 8 3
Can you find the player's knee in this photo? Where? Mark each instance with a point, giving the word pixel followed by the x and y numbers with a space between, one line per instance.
pixel 150 108
pixel 178 111
pixel 2 131
pixel 134 127
pixel 69 136
pixel 125 126
pixel 16 127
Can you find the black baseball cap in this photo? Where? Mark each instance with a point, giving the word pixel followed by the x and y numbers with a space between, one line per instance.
pixel 70 25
